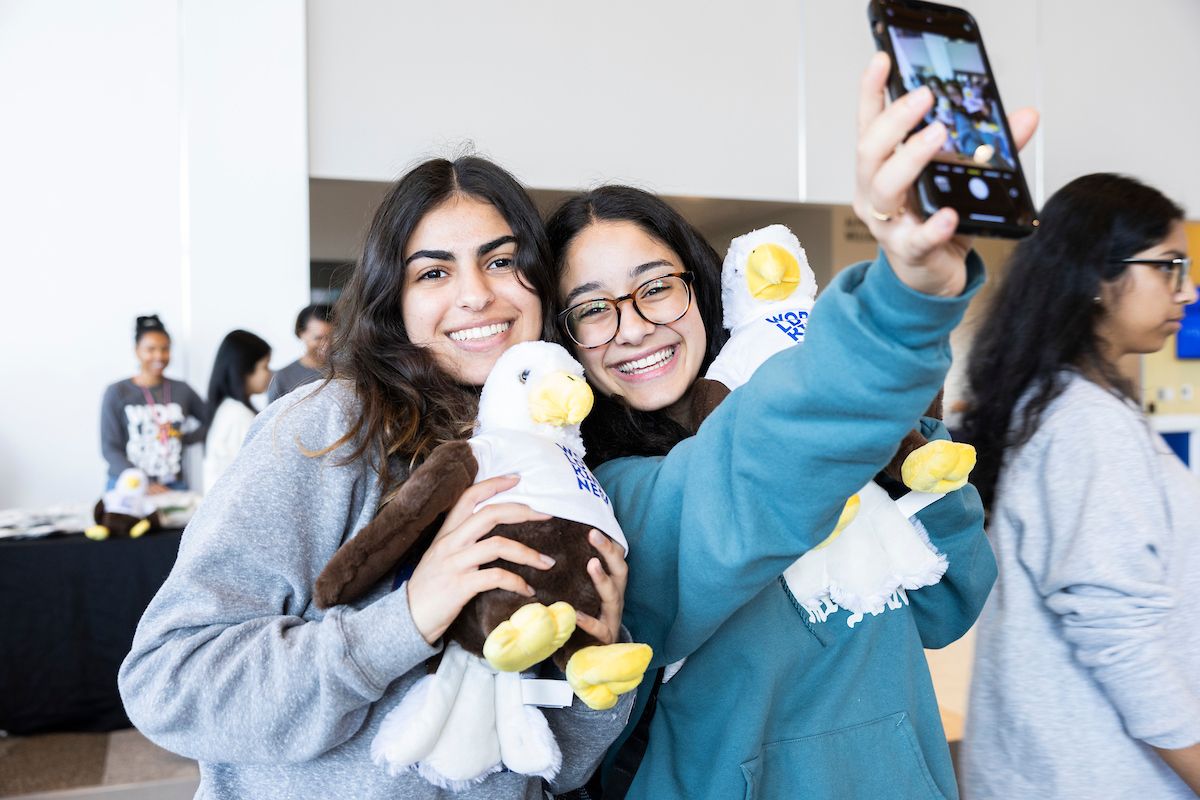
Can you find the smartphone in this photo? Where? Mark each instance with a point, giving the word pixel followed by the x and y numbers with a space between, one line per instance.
pixel 977 172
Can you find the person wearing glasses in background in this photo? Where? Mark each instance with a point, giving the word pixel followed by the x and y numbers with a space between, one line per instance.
pixel 314 327
pixel 1087 662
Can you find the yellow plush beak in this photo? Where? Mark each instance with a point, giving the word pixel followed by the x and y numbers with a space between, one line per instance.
pixel 131 482
pixel 772 273
pixel 560 399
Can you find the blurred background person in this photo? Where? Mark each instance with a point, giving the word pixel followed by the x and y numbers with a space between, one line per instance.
pixel 313 327
pixel 146 420
pixel 240 371
pixel 1087 662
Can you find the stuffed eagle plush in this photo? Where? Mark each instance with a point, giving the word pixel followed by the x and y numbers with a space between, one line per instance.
pixel 468 719
pixel 876 551
pixel 125 511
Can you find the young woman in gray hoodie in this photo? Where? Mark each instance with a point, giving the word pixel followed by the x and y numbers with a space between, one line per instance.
pixel 1087 663
pixel 233 665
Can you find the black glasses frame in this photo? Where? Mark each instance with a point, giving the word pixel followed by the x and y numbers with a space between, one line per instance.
pixel 1184 266
pixel 686 277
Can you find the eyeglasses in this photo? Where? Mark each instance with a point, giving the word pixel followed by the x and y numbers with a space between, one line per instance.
pixel 659 301
pixel 1177 268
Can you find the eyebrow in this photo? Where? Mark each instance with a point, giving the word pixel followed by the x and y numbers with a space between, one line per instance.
pixel 446 255
pixel 592 286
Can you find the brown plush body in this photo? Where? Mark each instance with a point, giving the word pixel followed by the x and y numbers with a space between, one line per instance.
pixel 429 492
pixel 119 525
pixel 568 580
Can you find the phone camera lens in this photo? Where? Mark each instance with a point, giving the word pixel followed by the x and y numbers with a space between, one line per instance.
pixel 891 13
pixel 929 19
pixel 966 27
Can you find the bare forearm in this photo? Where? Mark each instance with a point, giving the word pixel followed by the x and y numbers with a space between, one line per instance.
pixel 1186 763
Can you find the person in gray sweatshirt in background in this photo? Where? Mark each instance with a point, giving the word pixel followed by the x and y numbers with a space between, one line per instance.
pixel 314 327
pixel 1087 663
pixel 233 665
pixel 148 420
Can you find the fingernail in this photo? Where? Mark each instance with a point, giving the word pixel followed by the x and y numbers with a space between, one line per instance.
pixel 580 615
pixel 918 96
pixel 596 537
pixel 529 590
pixel 934 131
pixel 547 560
pixel 513 475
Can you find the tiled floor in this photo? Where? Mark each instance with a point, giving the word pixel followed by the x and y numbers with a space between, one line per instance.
pixel 101 765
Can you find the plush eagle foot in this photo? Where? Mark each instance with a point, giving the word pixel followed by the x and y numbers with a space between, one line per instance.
pixel 940 466
pixel 849 512
pixel 139 529
pixel 529 636
pixel 97 532
pixel 601 673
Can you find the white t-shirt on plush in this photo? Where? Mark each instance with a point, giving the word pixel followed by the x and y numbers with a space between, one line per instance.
pixel 553 481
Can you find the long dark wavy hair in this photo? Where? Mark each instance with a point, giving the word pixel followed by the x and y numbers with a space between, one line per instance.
pixel 613 428
pixel 1043 317
pixel 408 404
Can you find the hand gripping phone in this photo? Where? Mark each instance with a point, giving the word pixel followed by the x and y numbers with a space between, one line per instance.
pixel 977 172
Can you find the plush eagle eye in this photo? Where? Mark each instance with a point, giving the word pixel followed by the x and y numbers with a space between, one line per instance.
pixel 524 376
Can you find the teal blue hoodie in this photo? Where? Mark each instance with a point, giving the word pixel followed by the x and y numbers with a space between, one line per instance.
pixel 772 703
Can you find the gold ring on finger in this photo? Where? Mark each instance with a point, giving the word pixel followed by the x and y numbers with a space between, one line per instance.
pixel 885 217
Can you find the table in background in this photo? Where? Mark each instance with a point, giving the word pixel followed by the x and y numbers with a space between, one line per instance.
pixel 68 611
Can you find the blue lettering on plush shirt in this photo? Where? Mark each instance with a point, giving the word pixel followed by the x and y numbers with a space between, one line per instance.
pixel 793 323
pixel 585 479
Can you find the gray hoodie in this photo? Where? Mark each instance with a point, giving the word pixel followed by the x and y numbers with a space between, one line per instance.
pixel 234 666
pixel 1088 649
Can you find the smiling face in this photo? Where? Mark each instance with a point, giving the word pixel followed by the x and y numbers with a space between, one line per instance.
pixel 154 351
pixel 462 295
pixel 652 366
pixel 1142 307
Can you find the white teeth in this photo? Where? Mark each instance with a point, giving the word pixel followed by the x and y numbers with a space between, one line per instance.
pixel 649 362
pixel 480 333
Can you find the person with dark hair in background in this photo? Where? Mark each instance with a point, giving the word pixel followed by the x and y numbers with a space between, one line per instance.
pixel 314 326
pixel 241 370
pixel 233 664
pixel 1087 662
pixel 146 420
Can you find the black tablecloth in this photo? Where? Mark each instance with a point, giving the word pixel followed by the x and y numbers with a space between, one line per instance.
pixel 68 610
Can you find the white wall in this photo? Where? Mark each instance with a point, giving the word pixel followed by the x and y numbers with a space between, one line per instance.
pixel 696 97
pixel 101 204
pixel 713 98
pixel 837 47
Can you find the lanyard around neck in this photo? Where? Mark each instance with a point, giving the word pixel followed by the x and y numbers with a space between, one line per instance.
pixel 164 425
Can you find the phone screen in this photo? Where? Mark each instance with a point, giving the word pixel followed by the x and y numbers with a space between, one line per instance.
pixel 977 171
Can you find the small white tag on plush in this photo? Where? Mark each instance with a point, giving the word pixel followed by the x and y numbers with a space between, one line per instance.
pixel 547 693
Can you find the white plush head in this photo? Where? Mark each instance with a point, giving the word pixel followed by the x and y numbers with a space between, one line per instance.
pixel 536 387
pixel 132 483
pixel 764 267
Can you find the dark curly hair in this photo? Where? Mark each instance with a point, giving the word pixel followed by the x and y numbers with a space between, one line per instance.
pixel 408 404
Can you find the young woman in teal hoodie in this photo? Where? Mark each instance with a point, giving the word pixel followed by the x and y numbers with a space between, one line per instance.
pixel 773 702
